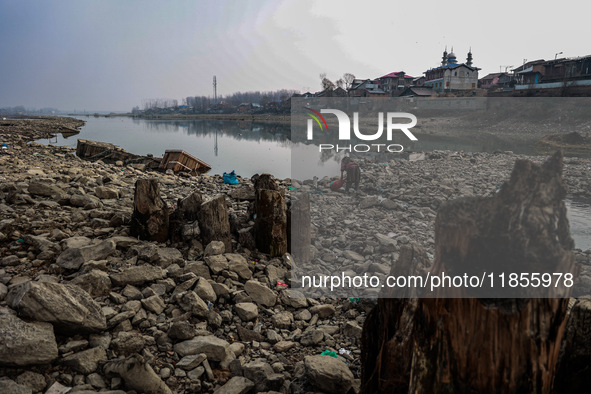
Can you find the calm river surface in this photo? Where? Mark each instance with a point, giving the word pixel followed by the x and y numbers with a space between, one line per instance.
pixel 250 148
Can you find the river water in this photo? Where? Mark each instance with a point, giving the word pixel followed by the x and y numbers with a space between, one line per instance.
pixel 250 148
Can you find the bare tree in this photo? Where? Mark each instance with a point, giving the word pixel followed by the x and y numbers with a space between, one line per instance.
pixel 340 83
pixel 325 82
pixel 348 78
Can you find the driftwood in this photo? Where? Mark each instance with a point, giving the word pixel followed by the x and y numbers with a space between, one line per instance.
pixel 270 226
pixel 298 227
pixel 149 220
pixel 214 222
pixel 469 344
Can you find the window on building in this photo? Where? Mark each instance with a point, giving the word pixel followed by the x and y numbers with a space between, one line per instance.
pixel 447 84
pixel 473 86
pixel 455 74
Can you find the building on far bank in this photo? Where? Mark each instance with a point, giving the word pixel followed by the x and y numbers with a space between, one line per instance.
pixel 452 76
pixel 495 80
pixel 367 88
pixel 394 83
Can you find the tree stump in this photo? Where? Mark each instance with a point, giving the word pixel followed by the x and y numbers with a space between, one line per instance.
pixel 149 220
pixel 473 344
pixel 187 211
pixel 214 222
pixel 270 226
pixel 298 227
pixel 574 366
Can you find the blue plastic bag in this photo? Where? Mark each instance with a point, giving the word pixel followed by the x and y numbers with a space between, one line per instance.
pixel 230 178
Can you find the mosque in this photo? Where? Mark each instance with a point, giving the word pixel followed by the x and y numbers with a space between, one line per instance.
pixel 452 76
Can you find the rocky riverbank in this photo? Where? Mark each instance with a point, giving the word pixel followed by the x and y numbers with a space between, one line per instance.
pixel 87 307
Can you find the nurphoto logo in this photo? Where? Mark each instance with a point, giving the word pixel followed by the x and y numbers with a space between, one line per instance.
pixel 392 124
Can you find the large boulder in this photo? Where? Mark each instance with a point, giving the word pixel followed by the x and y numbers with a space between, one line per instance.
pixel 213 347
pixel 66 306
pixel 328 374
pixel 25 343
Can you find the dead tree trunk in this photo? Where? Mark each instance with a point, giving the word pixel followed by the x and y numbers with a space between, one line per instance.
pixel 270 226
pixel 473 344
pixel 149 220
pixel 574 366
pixel 298 227
pixel 214 222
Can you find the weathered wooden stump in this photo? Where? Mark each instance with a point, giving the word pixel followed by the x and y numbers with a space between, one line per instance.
pixel 214 222
pixel 298 227
pixel 574 366
pixel 187 211
pixel 270 226
pixel 149 220
pixel 479 345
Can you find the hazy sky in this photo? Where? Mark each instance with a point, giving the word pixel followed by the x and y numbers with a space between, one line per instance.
pixel 110 55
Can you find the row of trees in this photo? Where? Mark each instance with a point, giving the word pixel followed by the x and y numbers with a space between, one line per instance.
pixel 344 82
pixel 202 103
pixel 21 110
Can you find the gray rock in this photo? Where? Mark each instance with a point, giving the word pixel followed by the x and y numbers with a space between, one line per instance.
pixel 283 346
pixel 44 189
pixel 3 291
pixel 191 302
pixel 138 375
pixel 10 261
pixel 323 311
pixel 216 263
pixel 282 320
pixel 86 361
pixel 215 248
pixel 34 381
pixel 294 298
pixel 154 304
pixel 73 258
pixel 137 275
pixel 236 385
pixel 66 306
pixel 128 343
pixel 58 388
pixel 181 330
pixel 238 264
pixel 247 311
pixel 311 337
pixel 84 201
pixel 259 372
pixel 352 329
pixel 23 343
pixel 213 347
pixel 328 374
pixel 204 290
pixel 73 346
pixel 9 386
pixel 260 293
pixel 369 202
pixel 106 193
pixel 96 283
pixel 191 362
pixel 168 256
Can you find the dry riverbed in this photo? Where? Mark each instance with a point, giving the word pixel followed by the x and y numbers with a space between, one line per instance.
pixel 85 306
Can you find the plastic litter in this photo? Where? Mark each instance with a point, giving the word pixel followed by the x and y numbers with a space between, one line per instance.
pixel 281 284
pixel 230 178
pixel 329 353
pixel 292 188
pixel 344 351
pixel 354 300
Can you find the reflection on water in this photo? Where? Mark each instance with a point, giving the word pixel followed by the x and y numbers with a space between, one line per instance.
pixel 579 218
